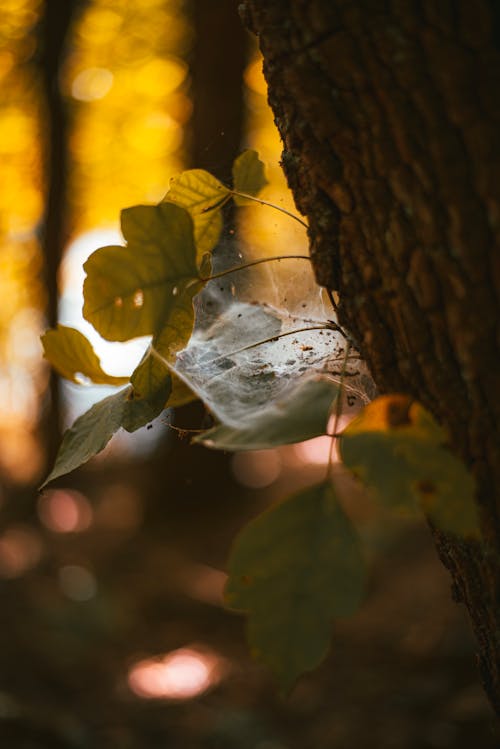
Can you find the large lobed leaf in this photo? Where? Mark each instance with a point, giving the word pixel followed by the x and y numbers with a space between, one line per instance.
pixel 294 570
pixel 396 448
pixel 72 356
pixel 134 290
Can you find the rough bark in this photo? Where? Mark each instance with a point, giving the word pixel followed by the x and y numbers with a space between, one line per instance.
pixel 389 114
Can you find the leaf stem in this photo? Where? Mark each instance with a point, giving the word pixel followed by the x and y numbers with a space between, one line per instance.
pixel 270 205
pixel 254 262
pixel 337 412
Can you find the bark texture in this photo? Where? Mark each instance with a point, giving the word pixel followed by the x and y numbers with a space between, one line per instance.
pixel 390 118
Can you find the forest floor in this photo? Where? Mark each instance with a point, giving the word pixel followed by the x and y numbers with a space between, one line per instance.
pixel 401 673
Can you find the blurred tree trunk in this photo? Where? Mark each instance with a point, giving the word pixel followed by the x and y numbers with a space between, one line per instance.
pixel 55 24
pixel 218 61
pixel 389 115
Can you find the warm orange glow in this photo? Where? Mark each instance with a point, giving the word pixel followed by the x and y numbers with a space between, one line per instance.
pixel 254 77
pixel 265 231
pixel 21 204
pixel 315 451
pixel 125 75
pixel 257 469
pixel 180 675
pixel 65 511
pixel 21 455
pixel 20 551
pixel 92 84
pixel 203 583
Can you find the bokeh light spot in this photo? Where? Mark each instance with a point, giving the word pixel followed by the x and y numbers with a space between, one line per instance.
pixel 65 511
pixel 92 84
pixel 20 551
pixel 179 675
pixel 315 451
pixel 257 469
pixel 77 583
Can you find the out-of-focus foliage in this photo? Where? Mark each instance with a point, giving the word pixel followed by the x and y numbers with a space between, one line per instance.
pixel 396 448
pixel 126 77
pixel 293 570
pixel 21 206
pixel 248 176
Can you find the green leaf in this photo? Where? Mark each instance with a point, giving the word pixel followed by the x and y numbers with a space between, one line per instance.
pixel 396 448
pixel 197 190
pixel 135 290
pixel 152 386
pixel 294 570
pixel 299 414
pixel 201 194
pixel 207 231
pixel 90 434
pixel 153 378
pixel 92 431
pixel 154 382
pixel 181 394
pixel 72 356
pixel 248 176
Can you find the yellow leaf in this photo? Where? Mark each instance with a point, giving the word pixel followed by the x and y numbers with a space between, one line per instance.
pixel 72 356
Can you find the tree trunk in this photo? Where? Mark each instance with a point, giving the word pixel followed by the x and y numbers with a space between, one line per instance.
pixel 389 115
pixel 55 24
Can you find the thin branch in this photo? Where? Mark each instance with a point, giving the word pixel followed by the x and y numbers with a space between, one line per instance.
pixel 270 205
pixel 254 262
pixel 338 411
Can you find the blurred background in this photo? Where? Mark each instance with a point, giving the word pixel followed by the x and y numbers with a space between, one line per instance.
pixel 113 632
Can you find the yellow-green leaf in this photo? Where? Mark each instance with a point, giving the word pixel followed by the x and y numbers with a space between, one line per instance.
pixel 181 394
pixel 152 386
pixel 295 569
pixel 207 231
pixel 153 378
pixel 154 382
pixel 396 448
pixel 197 191
pixel 134 290
pixel 73 357
pixel 248 176
pixel 202 195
